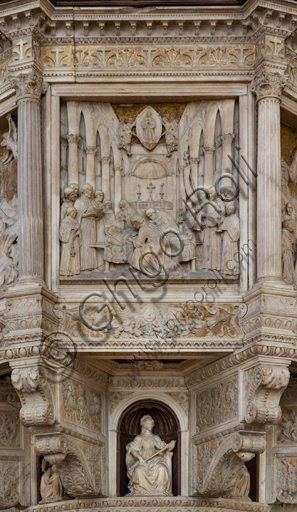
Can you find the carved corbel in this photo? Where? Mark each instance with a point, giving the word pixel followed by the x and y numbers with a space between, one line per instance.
pixel 78 465
pixel 266 385
pixel 220 477
pixel 35 395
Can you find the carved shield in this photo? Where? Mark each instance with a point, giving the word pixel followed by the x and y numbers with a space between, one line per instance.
pixel 149 128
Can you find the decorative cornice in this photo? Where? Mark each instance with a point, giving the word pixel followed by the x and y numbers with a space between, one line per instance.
pixel 237 359
pixel 147 504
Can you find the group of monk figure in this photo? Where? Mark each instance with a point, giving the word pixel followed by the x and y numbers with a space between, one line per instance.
pixel 289 238
pixel 149 244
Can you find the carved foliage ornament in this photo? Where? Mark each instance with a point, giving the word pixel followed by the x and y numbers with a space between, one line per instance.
pixel 28 84
pixel 268 85
pixel 266 386
pixel 78 465
pixel 9 484
pixel 35 395
pixel 217 404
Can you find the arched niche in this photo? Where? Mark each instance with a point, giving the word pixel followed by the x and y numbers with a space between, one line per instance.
pixel 166 426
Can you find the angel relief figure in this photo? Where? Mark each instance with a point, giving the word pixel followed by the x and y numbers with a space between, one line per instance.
pixel 125 134
pixel 10 142
pixel 171 135
pixel 149 462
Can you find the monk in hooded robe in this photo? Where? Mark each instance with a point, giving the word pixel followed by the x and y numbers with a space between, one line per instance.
pixel 231 234
pixel 70 237
pixel 51 488
pixel 88 213
pixel 212 216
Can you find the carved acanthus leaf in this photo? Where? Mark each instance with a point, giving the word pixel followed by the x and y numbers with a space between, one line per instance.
pixel 35 395
pixel 80 477
pixel 268 85
pixel 218 477
pixel 28 84
pixel 266 386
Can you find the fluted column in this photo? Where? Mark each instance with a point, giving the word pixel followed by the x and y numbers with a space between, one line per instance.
pixel 29 88
pixel 73 141
pixel 268 88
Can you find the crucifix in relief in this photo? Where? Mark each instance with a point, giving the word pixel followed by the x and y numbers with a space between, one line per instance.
pixel 150 188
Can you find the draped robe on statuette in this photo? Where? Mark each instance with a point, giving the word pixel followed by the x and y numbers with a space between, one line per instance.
pixel 231 235
pixel 211 251
pixel 88 226
pixel 70 262
pixel 152 478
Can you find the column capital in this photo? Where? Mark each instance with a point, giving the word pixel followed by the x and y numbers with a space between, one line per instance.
pixel 73 139
pixel 28 85
pixel 267 85
pixel 209 149
pixel 91 150
pixel 227 138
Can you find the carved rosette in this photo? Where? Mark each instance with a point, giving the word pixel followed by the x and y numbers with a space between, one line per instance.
pixel 219 479
pixel 28 85
pixel 78 464
pixel 266 386
pixel 35 395
pixel 268 85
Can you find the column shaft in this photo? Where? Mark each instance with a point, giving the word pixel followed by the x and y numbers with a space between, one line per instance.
pixel 31 245
pixel 73 141
pixel 269 189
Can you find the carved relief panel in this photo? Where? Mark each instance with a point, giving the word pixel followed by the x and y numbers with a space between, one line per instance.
pixel 8 204
pixel 14 449
pixel 132 174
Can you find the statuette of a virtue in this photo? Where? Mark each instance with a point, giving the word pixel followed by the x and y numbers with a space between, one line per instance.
pixel 148 461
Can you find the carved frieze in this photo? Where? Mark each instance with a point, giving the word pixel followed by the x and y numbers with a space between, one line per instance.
pixel 162 324
pixel 217 405
pixel 141 57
